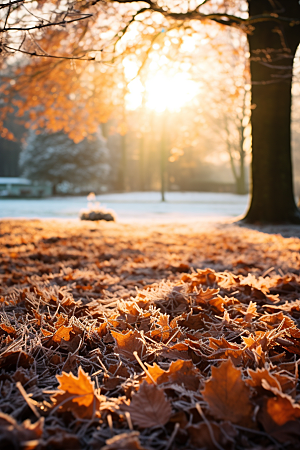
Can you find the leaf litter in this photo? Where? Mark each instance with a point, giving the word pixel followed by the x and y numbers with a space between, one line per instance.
pixel 148 337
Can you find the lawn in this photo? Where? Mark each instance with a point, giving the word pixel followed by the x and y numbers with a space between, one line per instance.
pixel 139 336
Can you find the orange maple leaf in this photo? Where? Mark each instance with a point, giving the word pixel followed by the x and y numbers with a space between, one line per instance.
pixel 79 395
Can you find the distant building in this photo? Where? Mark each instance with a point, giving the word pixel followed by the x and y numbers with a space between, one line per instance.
pixel 22 187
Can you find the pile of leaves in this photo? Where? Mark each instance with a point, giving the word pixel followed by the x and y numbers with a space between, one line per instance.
pixel 113 338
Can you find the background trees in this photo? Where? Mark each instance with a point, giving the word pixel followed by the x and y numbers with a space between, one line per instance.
pixel 68 166
pixel 112 32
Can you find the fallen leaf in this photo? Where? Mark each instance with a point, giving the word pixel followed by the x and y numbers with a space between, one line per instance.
pixel 62 333
pixel 250 312
pixel 14 436
pixel 11 359
pixel 210 435
pixel 281 408
pixel 128 343
pixel 8 329
pixel 124 441
pixel 79 395
pixel 179 372
pixel 259 375
pixel 227 394
pixel 149 407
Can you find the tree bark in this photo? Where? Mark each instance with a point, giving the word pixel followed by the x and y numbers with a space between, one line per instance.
pixel 272 46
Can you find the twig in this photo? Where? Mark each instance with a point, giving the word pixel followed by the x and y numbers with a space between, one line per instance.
pixel 210 430
pixel 28 400
pixel 172 437
pixel 144 367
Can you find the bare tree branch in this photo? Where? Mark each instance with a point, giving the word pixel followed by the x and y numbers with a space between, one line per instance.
pixel 45 25
pixel 43 55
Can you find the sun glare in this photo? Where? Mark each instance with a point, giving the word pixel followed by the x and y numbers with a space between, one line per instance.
pixel 162 92
pixel 169 92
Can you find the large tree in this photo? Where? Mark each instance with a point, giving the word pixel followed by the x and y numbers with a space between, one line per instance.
pixel 273 44
pixel 273 30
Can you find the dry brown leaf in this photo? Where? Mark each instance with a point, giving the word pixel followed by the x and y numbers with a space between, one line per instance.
pixel 11 359
pixel 281 408
pixel 61 320
pixel 211 435
pixel 193 321
pixel 250 312
pixel 262 374
pixel 101 330
pixel 13 435
pixel 277 319
pixel 210 297
pixel 149 407
pixel 222 343
pixel 157 374
pixel 179 372
pixel 60 439
pixel 8 329
pixel 176 351
pixel 124 441
pixel 128 343
pixel 46 333
pixel 203 296
pixel 217 303
pixel 227 394
pixel 79 395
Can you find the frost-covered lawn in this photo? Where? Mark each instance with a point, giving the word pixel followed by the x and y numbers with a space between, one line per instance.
pixel 148 336
pixel 137 206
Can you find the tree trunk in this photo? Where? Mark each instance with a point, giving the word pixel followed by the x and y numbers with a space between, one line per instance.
pixel 122 172
pixel 142 162
pixel 54 189
pixel 241 182
pixel 272 49
pixel 163 155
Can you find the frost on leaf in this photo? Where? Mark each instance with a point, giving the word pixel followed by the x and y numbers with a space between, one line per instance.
pixel 79 395
pixel 227 394
pixel 149 407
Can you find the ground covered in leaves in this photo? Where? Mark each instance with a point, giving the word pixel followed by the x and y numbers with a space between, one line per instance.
pixel 148 337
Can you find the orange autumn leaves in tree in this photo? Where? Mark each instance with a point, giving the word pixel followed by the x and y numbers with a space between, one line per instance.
pixel 57 94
